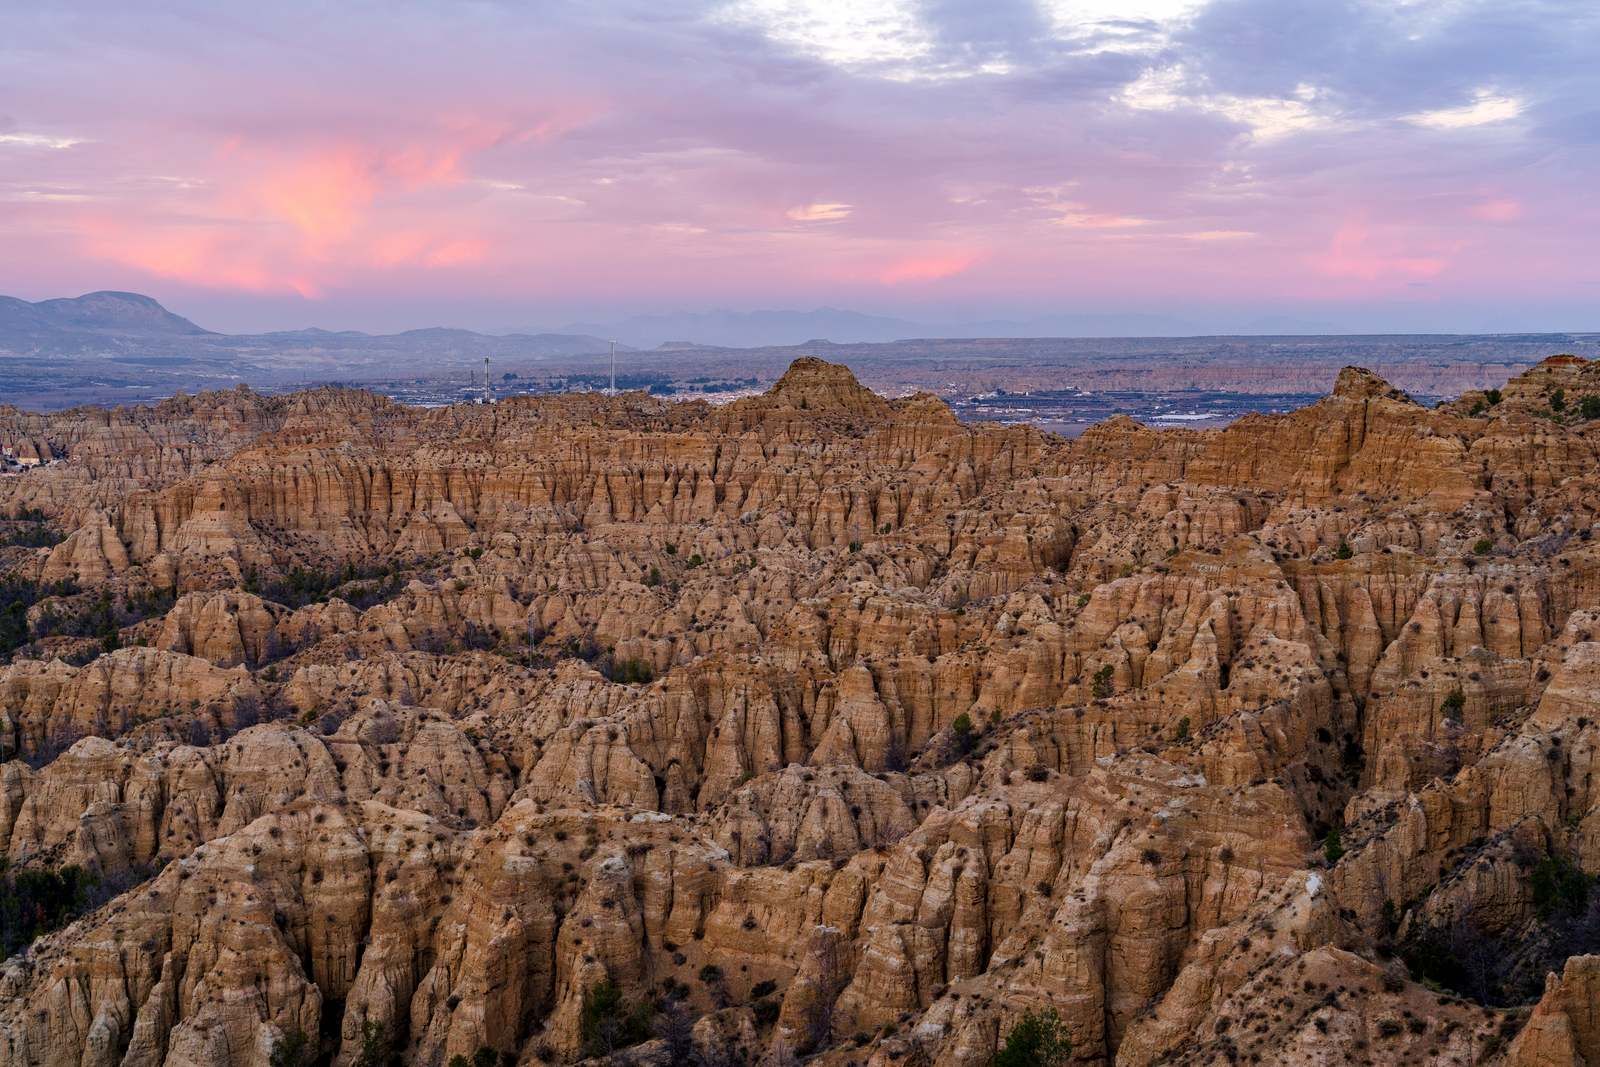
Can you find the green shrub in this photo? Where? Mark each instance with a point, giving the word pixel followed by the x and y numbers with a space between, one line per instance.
pixel 1183 729
pixel 1343 551
pixel 1038 1040
pixel 1333 846
pixel 376 1048
pixel 1558 400
pixel 1102 682
pixel 966 736
pixel 1453 704
pixel 1482 546
pixel 293 1049
pixel 1492 396
pixel 1559 887
pixel 607 1022
pixel 1589 407
pixel 35 902
pixel 628 671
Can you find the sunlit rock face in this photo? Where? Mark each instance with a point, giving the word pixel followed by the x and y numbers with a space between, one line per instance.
pixel 818 724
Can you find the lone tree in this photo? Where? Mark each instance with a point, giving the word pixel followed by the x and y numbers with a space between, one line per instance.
pixel 1038 1040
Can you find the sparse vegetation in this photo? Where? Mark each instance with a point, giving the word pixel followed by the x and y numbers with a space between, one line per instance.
pixel 303 585
pixel 627 671
pixel 35 902
pixel 31 530
pixel 607 1023
pixel 964 734
pixel 1560 887
pixel 1102 687
pixel 376 1048
pixel 1333 846
pixel 17 595
pixel 1037 1040
pixel 293 1049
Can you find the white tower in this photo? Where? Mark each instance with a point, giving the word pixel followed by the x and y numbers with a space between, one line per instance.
pixel 613 368
pixel 488 395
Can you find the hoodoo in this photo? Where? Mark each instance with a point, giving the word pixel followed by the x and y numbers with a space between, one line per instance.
pixel 814 725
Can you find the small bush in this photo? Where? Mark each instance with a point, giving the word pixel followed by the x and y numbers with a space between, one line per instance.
pixel 293 1049
pixel 1482 547
pixel 1344 550
pixel 1333 846
pixel 966 736
pixel 1102 682
pixel 1559 887
pixel 1038 1040
pixel 607 1023
pixel 629 671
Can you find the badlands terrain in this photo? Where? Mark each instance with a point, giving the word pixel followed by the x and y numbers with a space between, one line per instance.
pixel 815 727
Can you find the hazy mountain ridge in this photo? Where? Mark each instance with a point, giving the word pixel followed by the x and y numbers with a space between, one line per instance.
pixel 111 324
pixel 121 347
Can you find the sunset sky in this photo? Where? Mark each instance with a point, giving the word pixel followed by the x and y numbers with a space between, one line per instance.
pixel 1421 165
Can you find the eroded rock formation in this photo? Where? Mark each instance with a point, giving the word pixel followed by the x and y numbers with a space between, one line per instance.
pixel 818 725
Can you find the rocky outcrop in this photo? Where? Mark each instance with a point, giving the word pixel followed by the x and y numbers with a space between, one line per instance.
pixel 816 724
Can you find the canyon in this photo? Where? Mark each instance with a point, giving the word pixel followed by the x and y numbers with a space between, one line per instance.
pixel 816 726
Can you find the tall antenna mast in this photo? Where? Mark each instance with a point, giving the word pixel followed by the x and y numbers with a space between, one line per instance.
pixel 613 368
pixel 487 396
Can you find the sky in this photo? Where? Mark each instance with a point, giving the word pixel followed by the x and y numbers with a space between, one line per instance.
pixel 1410 164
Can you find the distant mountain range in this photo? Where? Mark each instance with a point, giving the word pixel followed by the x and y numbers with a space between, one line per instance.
pixel 129 327
pixel 111 347
pixel 132 327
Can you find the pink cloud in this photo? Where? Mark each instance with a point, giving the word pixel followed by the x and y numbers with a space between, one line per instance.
pixel 1503 209
pixel 205 256
pixel 927 268
pixel 270 217
pixel 1353 253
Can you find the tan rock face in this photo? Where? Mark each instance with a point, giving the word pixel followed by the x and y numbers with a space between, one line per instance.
pixel 815 725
